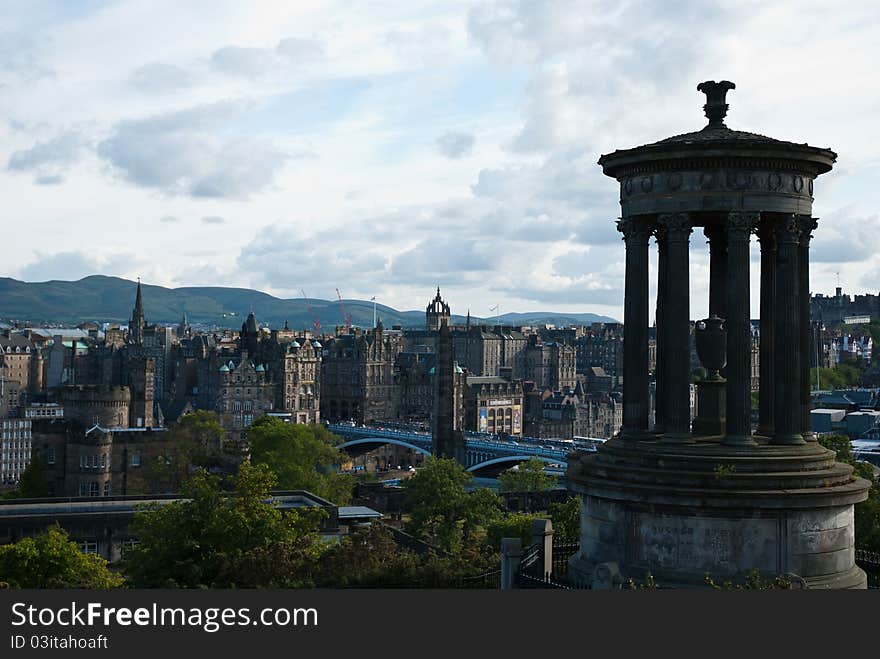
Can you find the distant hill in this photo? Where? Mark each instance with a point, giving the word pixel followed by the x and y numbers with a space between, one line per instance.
pixel 110 299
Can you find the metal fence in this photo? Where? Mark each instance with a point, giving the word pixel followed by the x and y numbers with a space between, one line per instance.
pixel 869 561
pixel 531 568
pixel 491 580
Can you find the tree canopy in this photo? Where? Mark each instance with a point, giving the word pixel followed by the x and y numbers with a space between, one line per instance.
pixel 33 482
pixel 566 518
pixel 528 476
pixel 442 510
pixel 51 560
pixel 842 376
pixel 196 441
pixel 222 540
pixel 304 457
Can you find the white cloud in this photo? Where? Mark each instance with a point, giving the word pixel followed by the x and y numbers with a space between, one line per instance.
pixel 455 144
pixel 142 117
pixel 48 160
pixel 186 152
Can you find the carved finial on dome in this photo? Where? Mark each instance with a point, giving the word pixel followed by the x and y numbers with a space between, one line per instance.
pixel 716 104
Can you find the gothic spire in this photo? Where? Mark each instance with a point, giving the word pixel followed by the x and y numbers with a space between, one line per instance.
pixel 136 325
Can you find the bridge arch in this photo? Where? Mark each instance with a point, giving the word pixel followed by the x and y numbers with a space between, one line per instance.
pixel 513 458
pixel 382 440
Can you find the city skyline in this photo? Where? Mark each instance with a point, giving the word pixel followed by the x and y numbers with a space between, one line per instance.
pixel 385 150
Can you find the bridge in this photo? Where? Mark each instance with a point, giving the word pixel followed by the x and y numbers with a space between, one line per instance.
pixel 483 452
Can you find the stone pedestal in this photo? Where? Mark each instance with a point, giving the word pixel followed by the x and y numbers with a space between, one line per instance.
pixel 711 406
pixel 680 512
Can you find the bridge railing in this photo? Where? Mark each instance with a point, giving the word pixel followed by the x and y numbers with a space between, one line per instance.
pixel 377 432
pixel 493 445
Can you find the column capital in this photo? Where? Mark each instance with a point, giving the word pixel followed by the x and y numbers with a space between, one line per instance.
pixel 674 226
pixel 633 229
pixel 807 224
pixel 788 230
pixel 715 233
pixel 766 232
pixel 740 224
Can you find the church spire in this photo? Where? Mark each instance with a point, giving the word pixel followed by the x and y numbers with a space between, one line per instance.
pixel 138 302
pixel 137 322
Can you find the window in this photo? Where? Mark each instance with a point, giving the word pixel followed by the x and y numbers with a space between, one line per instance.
pixel 94 460
pixel 50 456
pixel 107 489
pixel 88 547
pixel 93 489
pixel 126 545
pixel 135 459
pixel 83 488
pixel 103 460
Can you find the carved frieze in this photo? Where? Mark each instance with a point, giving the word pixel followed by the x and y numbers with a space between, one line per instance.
pixel 718 181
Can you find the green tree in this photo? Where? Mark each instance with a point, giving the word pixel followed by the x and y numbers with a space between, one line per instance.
pixel 867 513
pixel 196 441
pixel 223 540
pixel 842 376
pixel 443 511
pixel 512 525
pixel 51 560
pixel 528 476
pixel 566 518
pixel 369 557
pixel 33 483
pixel 304 457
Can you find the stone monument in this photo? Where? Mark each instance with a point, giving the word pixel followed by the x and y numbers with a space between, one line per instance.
pixel 681 501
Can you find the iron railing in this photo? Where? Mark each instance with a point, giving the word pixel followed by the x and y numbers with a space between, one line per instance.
pixel 531 568
pixel 869 561
pixel 490 580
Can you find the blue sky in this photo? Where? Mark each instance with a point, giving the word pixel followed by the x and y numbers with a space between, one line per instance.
pixel 385 148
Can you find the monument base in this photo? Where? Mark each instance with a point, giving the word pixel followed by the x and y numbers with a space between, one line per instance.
pixel 684 512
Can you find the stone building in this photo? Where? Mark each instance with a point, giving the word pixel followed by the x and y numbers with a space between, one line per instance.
pixel 413 387
pixel 601 346
pixel 19 363
pixel 295 368
pixel 551 365
pixel 832 309
pixel 437 313
pixel 550 414
pixel 599 415
pixel 15 448
pixel 244 392
pixel 357 376
pixel 478 350
pixel 95 461
pixel 97 404
pixel 494 403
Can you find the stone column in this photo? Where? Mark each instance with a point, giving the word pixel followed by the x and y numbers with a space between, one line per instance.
pixel 787 338
pixel 717 235
pixel 635 328
pixel 676 230
pixel 807 225
pixel 766 395
pixel 659 392
pixel 739 335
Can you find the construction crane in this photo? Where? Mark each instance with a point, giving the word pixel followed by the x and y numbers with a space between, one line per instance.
pixel 316 323
pixel 346 317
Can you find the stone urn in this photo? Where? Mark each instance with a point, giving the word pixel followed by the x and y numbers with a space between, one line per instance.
pixel 710 336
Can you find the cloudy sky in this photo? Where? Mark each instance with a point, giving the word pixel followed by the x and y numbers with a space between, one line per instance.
pixel 387 147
